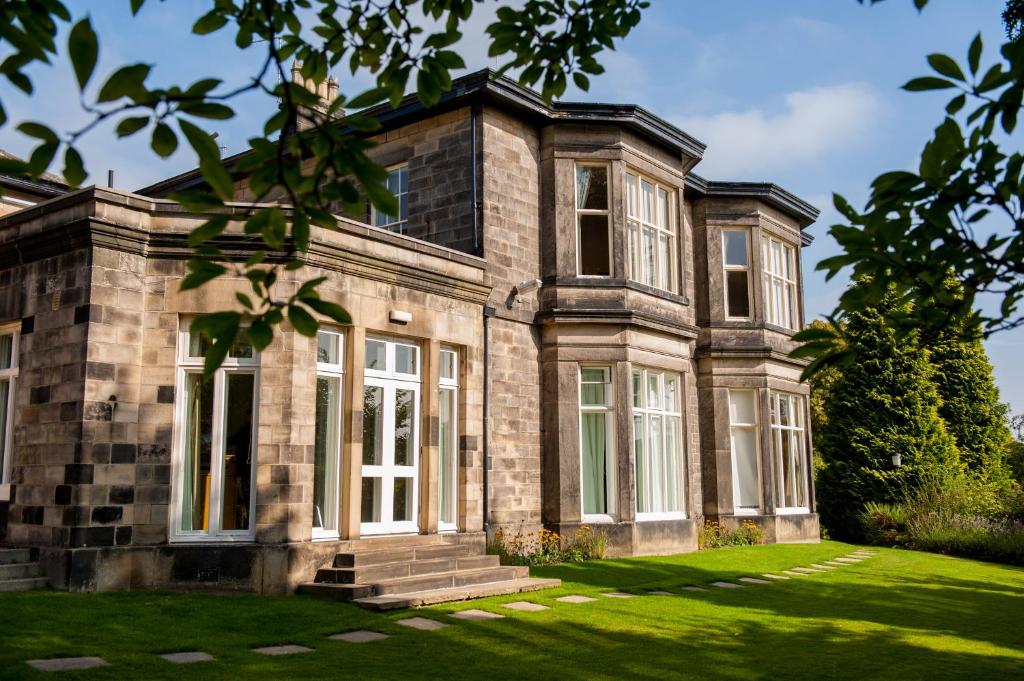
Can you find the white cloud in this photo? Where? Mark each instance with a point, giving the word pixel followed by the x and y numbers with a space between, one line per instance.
pixel 812 125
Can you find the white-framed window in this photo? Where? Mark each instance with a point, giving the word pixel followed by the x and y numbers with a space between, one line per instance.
pixel 330 358
pixel 391 436
pixel 215 443
pixel 743 436
pixel 8 380
pixel 736 265
pixel 398 185
pixel 597 443
pixel 789 452
pixel 658 450
pixel 593 221
pixel 448 442
pixel 651 233
pixel 779 262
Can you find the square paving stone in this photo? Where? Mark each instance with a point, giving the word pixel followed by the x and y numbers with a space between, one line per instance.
pixel 422 623
pixel 618 594
pixel 855 559
pixel 794 574
pixel 726 585
pixel 834 564
pixel 187 658
pixel 822 567
pixel 62 664
pixel 807 571
pixel 575 599
pixel 754 580
pixel 771 576
pixel 693 588
pixel 847 561
pixel 359 636
pixel 476 615
pixel 282 650
pixel 661 593
pixel 525 606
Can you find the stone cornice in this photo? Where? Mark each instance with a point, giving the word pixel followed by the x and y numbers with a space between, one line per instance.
pixel 715 351
pixel 617 317
pixel 768 192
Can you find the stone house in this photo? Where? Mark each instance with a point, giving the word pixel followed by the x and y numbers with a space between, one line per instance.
pixel 563 325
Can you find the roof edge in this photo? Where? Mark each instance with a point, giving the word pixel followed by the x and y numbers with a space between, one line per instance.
pixel 804 212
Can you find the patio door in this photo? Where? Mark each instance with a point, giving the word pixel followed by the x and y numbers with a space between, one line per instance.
pixel 391 404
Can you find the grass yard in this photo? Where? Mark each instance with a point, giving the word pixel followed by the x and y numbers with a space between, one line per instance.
pixel 897 615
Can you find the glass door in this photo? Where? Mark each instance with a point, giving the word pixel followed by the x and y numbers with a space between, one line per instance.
pixel 391 403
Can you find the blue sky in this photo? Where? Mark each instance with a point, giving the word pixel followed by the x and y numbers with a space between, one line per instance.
pixel 804 93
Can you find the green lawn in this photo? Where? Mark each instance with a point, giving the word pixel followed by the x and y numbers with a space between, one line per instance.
pixel 898 615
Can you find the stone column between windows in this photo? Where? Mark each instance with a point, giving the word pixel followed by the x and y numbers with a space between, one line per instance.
pixel 767 460
pixel 352 433
pixel 429 440
pixel 625 504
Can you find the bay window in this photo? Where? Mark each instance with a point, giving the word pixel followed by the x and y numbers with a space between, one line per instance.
pixel 789 452
pixel 779 263
pixel 593 223
pixel 327 433
pixel 597 443
pixel 658 444
pixel 650 227
pixel 736 265
pixel 448 443
pixel 746 495
pixel 8 378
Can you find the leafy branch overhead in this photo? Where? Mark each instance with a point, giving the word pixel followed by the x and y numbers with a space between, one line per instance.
pixel 307 160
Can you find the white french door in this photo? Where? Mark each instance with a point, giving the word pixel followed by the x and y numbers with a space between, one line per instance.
pixel 391 410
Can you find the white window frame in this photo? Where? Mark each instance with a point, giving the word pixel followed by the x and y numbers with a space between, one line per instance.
pixel 797 434
pixel 450 384
pixel 607 213
pixel 781 306
pixel 756 439
pixel 333 371
pixel 611 465
pixel 644 410
pixel 636 226
pixel 398 223
pixel 7 446
pixel 188 364
pixel 389 380
pixel 726 268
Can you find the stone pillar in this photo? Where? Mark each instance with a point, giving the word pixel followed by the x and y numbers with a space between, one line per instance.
pixel 352 450
pixel 429 437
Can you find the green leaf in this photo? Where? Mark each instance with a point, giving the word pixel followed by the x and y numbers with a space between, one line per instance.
pixel 946 66
pixel 83 49
pixel 127 81
pixel 200 272
pixel 302 321
pixel 208 110
pixel 203 143
pixel 222 330
pixel 213 227
pixel 208 23
pixel 131 125
pixel 261 334
pixel 164 140
pixel 74 167
pixel 582 82
pixel 927 83
pixel 136 6
pixel 332 310
pixel 974 54
pixel 39 131
pixel 244 300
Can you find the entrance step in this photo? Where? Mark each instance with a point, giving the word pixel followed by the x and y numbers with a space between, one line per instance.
pixel 465 593
pixel 19 572
pixel 369 574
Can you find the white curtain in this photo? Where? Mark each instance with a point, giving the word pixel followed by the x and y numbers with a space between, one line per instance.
pixel 595 449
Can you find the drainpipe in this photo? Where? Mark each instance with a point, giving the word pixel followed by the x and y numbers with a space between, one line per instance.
pixel 474 111
pixel 488 313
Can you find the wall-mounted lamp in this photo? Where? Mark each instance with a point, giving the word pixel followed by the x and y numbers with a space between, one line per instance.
pixel 400 316
pixel 897 459
pixel 521 289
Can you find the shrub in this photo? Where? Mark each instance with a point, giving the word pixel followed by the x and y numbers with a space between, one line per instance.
pixel 547 547
pixel 884 524
pixel 712 535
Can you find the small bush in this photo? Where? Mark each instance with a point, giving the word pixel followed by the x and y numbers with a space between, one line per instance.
pixel 547 547
pixel 884 524
pixel 711 535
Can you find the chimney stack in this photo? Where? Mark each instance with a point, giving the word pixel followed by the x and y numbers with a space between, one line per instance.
pixel 326 91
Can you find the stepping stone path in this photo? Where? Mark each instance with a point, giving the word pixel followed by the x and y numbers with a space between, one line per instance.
pixel 754 580
pixel 771 576
pixel 422 623
pixel 834 564
pixel 822 567
pixel 359 636
pixel 618 594
pixel 525 606
pixel 693 588
pixel 794 574
pixel 848 561
pixel 575 599
pixel 188 658
pixel 660 593
pixel 476 615
pixel 806 571
pixel 63 664
pixel 726 585
pixel 282 650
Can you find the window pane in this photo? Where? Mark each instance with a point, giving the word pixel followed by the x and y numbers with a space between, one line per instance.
pixel 663 208
pixel 594 449
pixel 653 391
pixel 593 394
pixel 402 501
pixel 403 176
pixel 735 248
pixel 241 348
pixel 592 187
pixel 634 251
pixel 643 504
pixel 744 451
pixel 6 351
pixel 237 480
pixel 405 416
pixel 376 355
pixel 655 448
pixel 198 344
pixel 737 294
pixel 671 393
pixel 5 392
pixel 405 359
pixel 646 201
pixel 371 500
pixel 673 466
pixel 373 425
pixel 638 389
pixel 326 452
pixel 448 456
pixel 198 453
pixel 786 458
pixel 328 348
pixel 649 257
pixel 449 361
pixel 741 407
pixel 631 195
pixel 395 181
pixel 664 268
pixel 594 251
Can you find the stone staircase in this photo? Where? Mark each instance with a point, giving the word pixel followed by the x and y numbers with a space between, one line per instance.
pixel 431 570
pixel 19 572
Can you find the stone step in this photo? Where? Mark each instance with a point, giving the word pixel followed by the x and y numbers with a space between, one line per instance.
pixel 336 592
pixel 19 571
pixel 462 593
pixel 447 580
pixel 365 557
pixel 370 574
pixel 8 556
pixel 30 584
